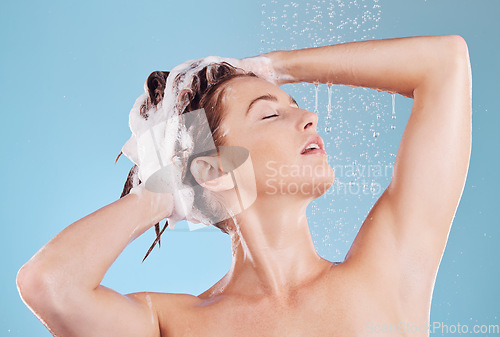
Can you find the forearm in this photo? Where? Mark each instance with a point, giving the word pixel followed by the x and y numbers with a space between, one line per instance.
pixel 79 256
pixel 395 65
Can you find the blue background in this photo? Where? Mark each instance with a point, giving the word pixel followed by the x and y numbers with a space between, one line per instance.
pixel 70 72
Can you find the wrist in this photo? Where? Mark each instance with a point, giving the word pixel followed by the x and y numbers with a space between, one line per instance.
pixel 156 206
pixel 281 62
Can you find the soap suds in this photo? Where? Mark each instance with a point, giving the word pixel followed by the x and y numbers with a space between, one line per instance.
pixel 263 67
pixel 156 140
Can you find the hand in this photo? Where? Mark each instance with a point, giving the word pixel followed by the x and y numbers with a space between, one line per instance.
pixel 162 205
pixel 159 205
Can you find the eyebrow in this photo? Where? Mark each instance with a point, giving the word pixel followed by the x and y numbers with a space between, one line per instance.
pixel 268 97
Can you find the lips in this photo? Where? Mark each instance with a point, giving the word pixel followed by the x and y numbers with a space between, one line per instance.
pixel 314 140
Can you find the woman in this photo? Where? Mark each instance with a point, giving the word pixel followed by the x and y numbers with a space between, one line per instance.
pixel 278 285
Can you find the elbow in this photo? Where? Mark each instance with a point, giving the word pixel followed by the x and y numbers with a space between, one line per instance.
pixel 457 44
pixel 461 68
pixel 44 292
pixel 34 286
pixel 457 55
pixel 449 64
pixel 28 284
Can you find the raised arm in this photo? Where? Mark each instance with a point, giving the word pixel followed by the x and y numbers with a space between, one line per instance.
pixel 61 282
pixel 402 239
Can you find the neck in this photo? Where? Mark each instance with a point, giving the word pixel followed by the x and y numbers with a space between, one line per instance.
pixel 273 252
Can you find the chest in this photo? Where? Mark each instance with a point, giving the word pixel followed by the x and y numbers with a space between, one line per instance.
pixel 315 320
pixel 347 314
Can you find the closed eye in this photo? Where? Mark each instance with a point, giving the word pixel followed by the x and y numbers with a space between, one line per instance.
pixel 275 115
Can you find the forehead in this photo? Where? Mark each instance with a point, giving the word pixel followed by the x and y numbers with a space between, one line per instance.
pixel 243 89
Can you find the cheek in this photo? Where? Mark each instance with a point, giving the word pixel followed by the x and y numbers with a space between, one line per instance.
pixel 267 156
pixel 270 151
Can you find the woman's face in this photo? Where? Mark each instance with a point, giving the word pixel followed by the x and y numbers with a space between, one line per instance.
pixel 265 120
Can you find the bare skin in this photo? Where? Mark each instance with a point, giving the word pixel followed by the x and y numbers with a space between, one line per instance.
pixel 278 285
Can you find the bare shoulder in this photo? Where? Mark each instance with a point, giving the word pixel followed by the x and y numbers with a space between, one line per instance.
pixel 170 305
pixel 169 309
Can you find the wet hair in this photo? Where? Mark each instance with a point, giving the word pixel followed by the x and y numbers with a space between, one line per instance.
pixel 206 91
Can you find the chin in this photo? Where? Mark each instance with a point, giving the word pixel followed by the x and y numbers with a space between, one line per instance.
pixel 321 185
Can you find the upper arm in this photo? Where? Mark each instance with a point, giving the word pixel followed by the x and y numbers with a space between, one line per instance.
pixel 102 312
pixel 404 236
pixel 109 313
pixel 433 157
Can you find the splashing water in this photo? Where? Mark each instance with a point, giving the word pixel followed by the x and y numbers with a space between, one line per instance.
pixel 328 127
pixel 329 106
pixel 393 110
pixel 316 90
pixel 295 25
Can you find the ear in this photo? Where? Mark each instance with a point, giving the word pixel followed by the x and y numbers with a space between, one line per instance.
pixel 206 171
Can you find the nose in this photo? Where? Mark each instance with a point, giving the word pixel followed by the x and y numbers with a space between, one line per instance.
pixel 308 120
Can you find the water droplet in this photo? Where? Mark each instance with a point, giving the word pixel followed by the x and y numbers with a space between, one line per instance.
pixel 393 104
pixel 328 129
pixel 375 134
pixel 329 107
pixel 316 90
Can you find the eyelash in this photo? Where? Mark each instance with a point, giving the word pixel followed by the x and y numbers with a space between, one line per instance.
pixel 275 115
